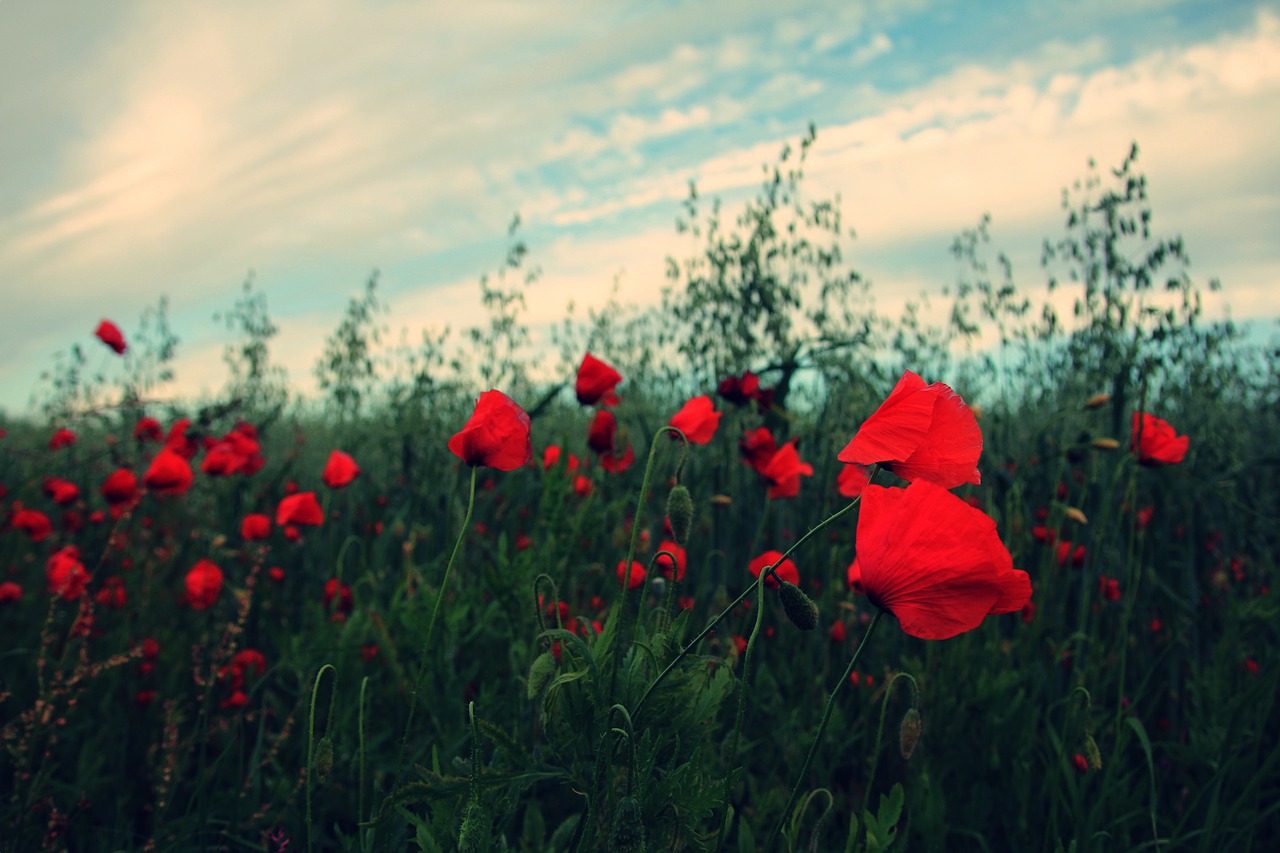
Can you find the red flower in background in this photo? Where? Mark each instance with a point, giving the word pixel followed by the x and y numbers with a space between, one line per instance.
pixel 635 579
pixel 757 447
pixel 663 562
pixel 221 460
pixel 1156 442
pixel 148 429
pixel 169 473
pixel 62 438
pixel 851 480
pixel 787 571
pixel 601 436
pixel 933 561
pixel 62 491
pixel 739 390
pixel 697 419
pixel 783 471
pixel 10 591
pixel 178 442
pixel 109 333
pixel 340 470
pixel 112 593
pixel 921 432
pixel 596 380
pixel 120 487
pixel 34 523
pixel 551 458
pixel 204 585
pixel 255 527
pixel 66 574
pixel 337 596
pixel 301 508
pixel 496 436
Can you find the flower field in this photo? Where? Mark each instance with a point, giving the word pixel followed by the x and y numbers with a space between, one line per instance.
pixel 819 580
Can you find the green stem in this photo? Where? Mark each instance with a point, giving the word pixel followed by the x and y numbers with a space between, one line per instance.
pixel 822 727
pixel 311 734
pixel 884 708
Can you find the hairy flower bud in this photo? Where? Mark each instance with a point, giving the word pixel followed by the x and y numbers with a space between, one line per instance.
pixel 909 732
pixel 1091 753
pixel 799 607
pixel 626 835
pixel 541 673
pixel 324 758
pixel 680 514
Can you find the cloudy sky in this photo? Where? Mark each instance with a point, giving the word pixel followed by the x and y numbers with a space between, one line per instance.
pixel 154 147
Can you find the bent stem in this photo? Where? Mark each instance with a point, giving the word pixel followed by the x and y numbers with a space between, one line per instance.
pixel 822 727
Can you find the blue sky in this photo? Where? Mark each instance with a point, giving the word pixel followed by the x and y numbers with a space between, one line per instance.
pixel 171 147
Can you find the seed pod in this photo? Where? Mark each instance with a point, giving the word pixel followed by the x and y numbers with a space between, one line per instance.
pixel 626 835
pixel 1091 753
pixel 1076 515
pixel 1097 401
pixel 541 673
pixel 1106 444
pixel 799 607
pixel 680 514
pixel 324 758
pixel 909 733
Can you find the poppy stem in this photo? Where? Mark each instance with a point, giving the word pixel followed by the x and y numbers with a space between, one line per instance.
pixel 822 727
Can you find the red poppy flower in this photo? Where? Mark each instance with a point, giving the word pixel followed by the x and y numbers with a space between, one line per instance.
pixel 757 447
pixel 1156 442
pixel 615 464
pixel 62 438
pixel 551 458
pixel 933 561
pixel 112 593
pixel 601 431
pixel 255 527
pixel 121 487
pixel 739 390
pixel 664 563
pixel 340 470
pixel 697 419
pixel 109 333
pixel 10 591
pixel 921 432
pixel 496 436
pixel 583 486
pixel 221 460
pixel 62 491
pixel 783 471
pixel 301 508
pixel 148 429
pixel 852 480
pixel 249 663
pixel 787 571
pixel 338 595
pixel 66 574
pixel 169 473
pixel 636 577
pixel 204 585
pixel 33 523
pixel 177 439
pixel 596 380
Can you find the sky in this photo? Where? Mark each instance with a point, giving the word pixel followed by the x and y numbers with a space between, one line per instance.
pixel 167 148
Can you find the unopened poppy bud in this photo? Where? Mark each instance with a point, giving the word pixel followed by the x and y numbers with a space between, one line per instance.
pixel 1076 515
pixel 541 673
pixel 799 607
pixel 909 732
pixel 680 514
pixel 1091 753
pixel 1106 444
pixel 475 833
pixel 1097 401
pixel 626 835
pixel 324 758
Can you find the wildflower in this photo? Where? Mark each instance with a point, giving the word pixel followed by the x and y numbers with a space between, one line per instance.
pixel 1156 442
pixel 300 508
pixel 1109 588
pixel 697 419
pixel 1080 763
pixel 671 567
pixel 120 487
pixel 221 460
pixel 148 429
pixel 109 333
pixel 582 486
pixel 783 471
pixel 921 432
pixel 739 390
pixel 757 447
pixel 601 431
pixel 112 593
pixel 496 436
pixel 551 458
pixel 204 585
pixel 338 598
pixel 851 480
pixel 34 523
pixel 10 591
pixel 596 381
pixel 255 527
pixel 66 574
pixel 62 491
pixel 62 438
pixel 178 441
pixel 340 470
pixel 786 571
pixel 169 473
pixel 933 561
pixel 634 578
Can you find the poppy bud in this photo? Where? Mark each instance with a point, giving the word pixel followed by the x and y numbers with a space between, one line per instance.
pixel 909 733
pixel 1097 401
pixel 541 673
pixel 1106 444
pixel 680 514
pixel 1091 753
pixel 475 833
pixel 1076 515
pixel 324 758
pixel 799 607
pixel 626 835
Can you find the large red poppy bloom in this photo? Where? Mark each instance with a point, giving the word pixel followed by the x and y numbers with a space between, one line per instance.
pixel 634 577
pixel 787 571
pixel 109 333
pixel 204 585
pixel 757 447
pixel 340 470
pixel 783 471
pixel 66 574
pixel 596 380
pixel 496 436
pixel 697 419
pixel 665 564
pixel 301 508
pixel 121 487
pixel 169 473
pixel 255 527
pixel 1156 442
pixel 921 432
pixel 933 561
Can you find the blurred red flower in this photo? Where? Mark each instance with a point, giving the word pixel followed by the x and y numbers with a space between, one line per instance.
pixel 221 460
pixel 757 447
pixel 10 591
pixel 783 471
pixel 109 333
pixel 697 419
pixel 178 441
pixel 787 571
pixel 1156 442
pixel 255 527
pixel 596 380
pixel 496 436
pixel 66 574
pixel 204 585
pixel 851 480
pixel 601 431
pixel 120 487
pixel 663 562
pixel 62 438
pixel 148 429
pixel 301 508
pixel 34 523
pixel 635 578
pixel 921 432
pixel 112 593
pixel 169 473
pixel 338 597
pixel 739 390
pixel 340 470
pixel 62 491
pixel 1109 588
pixel 933 561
